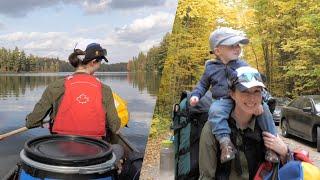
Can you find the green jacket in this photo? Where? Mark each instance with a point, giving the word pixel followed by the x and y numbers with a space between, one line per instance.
pixel 51 98
pixel 246 163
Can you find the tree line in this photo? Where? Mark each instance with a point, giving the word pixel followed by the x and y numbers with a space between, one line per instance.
pixel 153 60
pixel 18 61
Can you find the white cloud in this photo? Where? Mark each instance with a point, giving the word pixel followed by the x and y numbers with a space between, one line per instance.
pixel 24 36
pixel 121 52
pixel 94 30
pixel 52 44
pixel 146 45
pixel 171 4
pixel 2 26
pixel 143 29
pixel 41 43
pixel 122 43
pixel 95 7
pixel 44 45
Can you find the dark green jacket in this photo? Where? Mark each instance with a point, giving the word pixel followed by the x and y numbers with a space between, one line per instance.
pixel 251 151
pixel 246 163
pixel 51 98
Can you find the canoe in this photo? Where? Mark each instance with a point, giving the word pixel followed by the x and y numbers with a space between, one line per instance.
pixel 129 151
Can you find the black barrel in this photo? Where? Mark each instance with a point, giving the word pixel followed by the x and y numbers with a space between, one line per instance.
pixel 67 157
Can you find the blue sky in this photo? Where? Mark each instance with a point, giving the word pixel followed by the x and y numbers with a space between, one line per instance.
pixel 52 27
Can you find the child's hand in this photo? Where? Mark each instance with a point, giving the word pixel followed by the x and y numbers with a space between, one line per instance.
pixel 194 100
pixel 258 110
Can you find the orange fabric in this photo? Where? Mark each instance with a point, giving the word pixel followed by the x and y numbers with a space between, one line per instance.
pixel 302 155
pixel 81 111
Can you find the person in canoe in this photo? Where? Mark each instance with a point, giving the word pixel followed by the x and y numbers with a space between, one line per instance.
pixel 79 104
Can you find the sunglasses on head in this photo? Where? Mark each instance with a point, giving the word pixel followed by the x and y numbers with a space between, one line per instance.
pixel 247 77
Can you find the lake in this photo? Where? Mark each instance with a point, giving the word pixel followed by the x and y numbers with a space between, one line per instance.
pixel 20 92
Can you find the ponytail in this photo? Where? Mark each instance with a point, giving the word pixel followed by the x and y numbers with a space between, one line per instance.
pixel 75 58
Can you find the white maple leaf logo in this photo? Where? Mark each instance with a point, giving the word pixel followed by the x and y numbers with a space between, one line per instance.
pixel 82 99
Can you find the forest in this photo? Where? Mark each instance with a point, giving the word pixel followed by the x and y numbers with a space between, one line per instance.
pixel 17 61
pixel 284 45
pixel 153 60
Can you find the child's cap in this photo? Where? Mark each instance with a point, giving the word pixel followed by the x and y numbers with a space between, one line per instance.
pixel 226 36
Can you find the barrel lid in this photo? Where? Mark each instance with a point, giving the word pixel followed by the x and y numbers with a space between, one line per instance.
pixel 68 150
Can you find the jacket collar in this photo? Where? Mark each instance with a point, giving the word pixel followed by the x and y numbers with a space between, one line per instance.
pixel 251 124
pixel 218 61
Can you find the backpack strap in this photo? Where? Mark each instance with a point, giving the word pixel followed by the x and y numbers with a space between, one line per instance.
pixel 234 134
pixel 223 170
pixel 178 112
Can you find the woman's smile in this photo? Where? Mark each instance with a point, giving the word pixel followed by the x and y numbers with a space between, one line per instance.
pixel 251 105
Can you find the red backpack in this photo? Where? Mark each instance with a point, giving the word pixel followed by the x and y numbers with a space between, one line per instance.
pixel 81 110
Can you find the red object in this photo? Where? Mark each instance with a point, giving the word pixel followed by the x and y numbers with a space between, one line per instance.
pixel 81 110
pixel 264 169
pixel 302 155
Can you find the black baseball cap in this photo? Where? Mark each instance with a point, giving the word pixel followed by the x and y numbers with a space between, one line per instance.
pixel 95 51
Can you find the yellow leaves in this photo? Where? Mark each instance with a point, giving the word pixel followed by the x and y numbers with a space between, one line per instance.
pixel 159 124
pixel 284 5
pixel 196 8
pixel 208 9
pixel 282 33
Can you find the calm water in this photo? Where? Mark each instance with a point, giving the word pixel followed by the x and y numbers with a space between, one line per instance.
pixel 20 92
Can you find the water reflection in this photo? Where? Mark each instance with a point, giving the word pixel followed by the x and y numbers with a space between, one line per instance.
pixel 20 92
pixel 14 85
pixel 144 80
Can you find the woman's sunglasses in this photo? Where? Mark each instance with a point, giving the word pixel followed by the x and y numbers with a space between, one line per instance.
pixel 247 77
